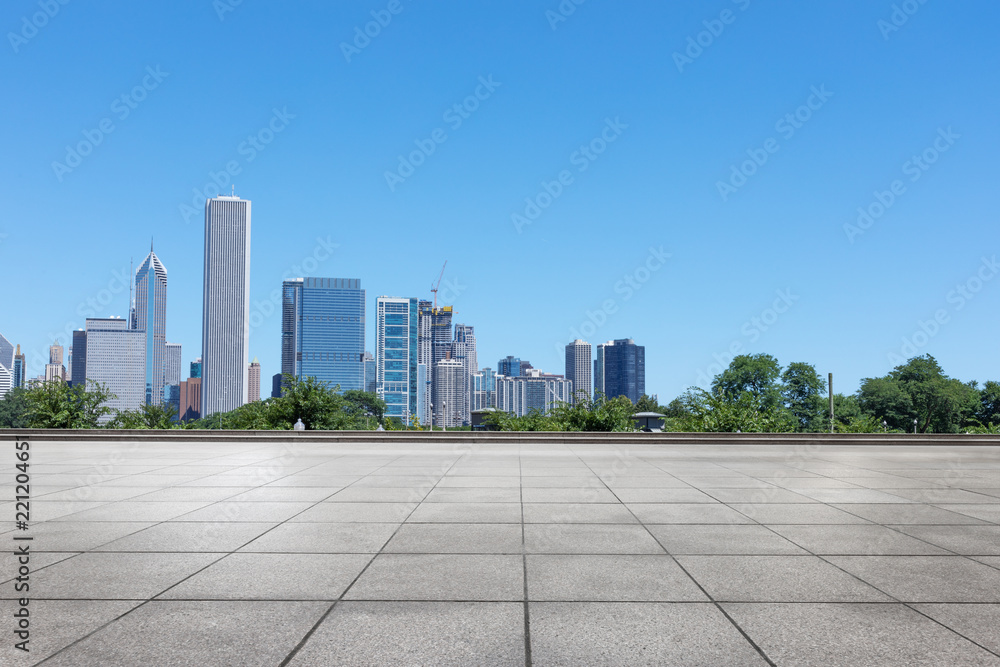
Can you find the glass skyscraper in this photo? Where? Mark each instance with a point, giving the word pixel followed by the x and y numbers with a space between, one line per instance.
pixel 151 319
pixel 624 369
pixel 225 322
pixel 396 356
pixel 323 331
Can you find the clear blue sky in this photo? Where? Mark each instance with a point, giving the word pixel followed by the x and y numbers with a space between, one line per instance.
pixel 678 126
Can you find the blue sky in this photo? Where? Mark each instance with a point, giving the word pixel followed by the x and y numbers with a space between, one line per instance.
pixel 762 264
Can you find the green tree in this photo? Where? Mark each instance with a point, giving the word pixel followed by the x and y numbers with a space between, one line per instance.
pixel 919 390
pixel 365 410
pixel 756 374
pixel 14 409
pixel 145 417
pixel 648 404
pixel 602 415
pixel 988 411
pixel 803 391
pixel 715 412
pixel 56 404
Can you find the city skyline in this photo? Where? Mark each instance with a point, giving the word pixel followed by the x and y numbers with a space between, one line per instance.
pixel 814 202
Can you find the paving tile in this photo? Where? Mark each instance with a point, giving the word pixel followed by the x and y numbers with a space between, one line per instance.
pixel 978 622
pixel 593 633
pixel 849 635
pixel 356 495
pixel 229 510
pixel 572 513
pixel 609 578
pixel 68 536
pixel 355 512
pixel 441 577
pixel 686 513
pixel 55 624
pixel 286 494
pixel 324 538
pixel 113 576
pixel 642 495
pixel 476 495
pixel 753 496
pixel 466 513
pixel 856 540
pixel 592 494
pixel 130 510
pixel 939 496
pixel 588 539
pixel 911 513
pixel 198 633
pixel 964 540
pixel 852 496
pixel 776 579
pixel 925 578
pixel 252 576
pixel 778 513
pixel 744 540
pixel 565 482
pixel 441 538
pixel 425 633
pixel 497 482
pixel 49 510
pixel 190 493
pixel 983 512
pixel 178 536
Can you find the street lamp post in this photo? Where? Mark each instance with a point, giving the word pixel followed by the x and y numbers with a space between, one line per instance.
pixel 444 415
pixel 914 427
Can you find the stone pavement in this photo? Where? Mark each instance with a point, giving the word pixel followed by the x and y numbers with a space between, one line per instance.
pixel 499 554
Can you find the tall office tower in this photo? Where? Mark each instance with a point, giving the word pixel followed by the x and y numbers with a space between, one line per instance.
pixel 463 350
pixel 625 369
pixel 323 331
pixel 225 321
pixel 396 356
pixel 449 394
pixel 6 366
pixel 253 381
pixel 20 368
pixel 78 364
pixel 190 399
pixel 276 385
pixel 68 368
pixel 56 354
pixel 172 367
pixel 370 375
pixel 425 314
pixel 423 395
pixel 599 369
pixel 509 367
pixel 578 368
pixel 521 395
pixel 116 357
pixel 55 370
pixel 150 317
pixel 484 389
pixel 195 371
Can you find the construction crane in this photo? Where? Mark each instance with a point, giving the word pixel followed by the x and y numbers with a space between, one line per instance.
pixel 434 288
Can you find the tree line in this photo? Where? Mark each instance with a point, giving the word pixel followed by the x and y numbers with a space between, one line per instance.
pixel 755 394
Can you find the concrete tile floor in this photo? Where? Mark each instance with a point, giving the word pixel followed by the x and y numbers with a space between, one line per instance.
pixel 494 554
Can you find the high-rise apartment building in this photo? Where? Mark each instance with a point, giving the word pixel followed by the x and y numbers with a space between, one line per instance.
pixel 6 366
pixel 150 317
pixel 371 376
pixel 225 324
pixel 253 381
pixel 449 393
pixel 116 358
pixel 521 395
pixel 578 369
pixel 463 350
pixel 323 331
pixel 509 367
pixel 484 389
pixel 396 356
pixel 624 369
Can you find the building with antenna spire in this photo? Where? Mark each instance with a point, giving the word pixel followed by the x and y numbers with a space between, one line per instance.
pixel 149 315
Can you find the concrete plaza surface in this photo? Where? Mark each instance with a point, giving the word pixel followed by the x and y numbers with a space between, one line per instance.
pixel 269 553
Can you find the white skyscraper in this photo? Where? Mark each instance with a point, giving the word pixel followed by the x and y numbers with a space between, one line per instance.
pixel 449 394
pixel 463 350
pixel 578 368
pixel 6 366
pixel 225 323
pixel 116 358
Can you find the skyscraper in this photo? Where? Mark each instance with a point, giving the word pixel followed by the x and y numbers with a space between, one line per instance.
pixel 463 350
pixel 151 319
pixel 484 389
pixel 578 368
pixel 521 395
pixel 396 356
pixel 449 396
pixel 20 368
pixel 371 376
pixel 323 331
pixel 253 381
pixel 225 323
pixel 599 369
pixel 116 357
pixel 625 369
pixel 172 367
pixel 6 366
